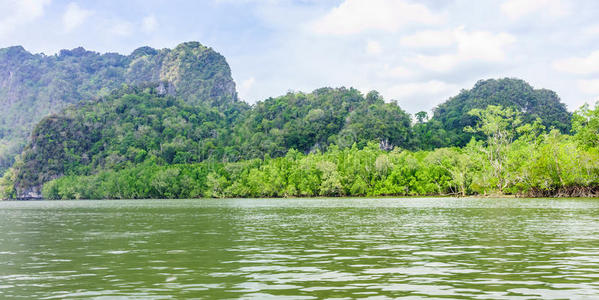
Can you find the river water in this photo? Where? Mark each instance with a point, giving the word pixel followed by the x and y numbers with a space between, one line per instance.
pixel 300 248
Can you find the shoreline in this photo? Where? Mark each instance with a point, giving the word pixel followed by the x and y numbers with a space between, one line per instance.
pixel 318 197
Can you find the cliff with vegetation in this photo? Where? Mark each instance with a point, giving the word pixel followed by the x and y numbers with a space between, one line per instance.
pixel 33 86
pixel 140 124
pixel 167 124
pixel 537 163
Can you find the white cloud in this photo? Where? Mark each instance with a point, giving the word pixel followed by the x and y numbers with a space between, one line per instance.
pixel 122 28
pixel 590 86
pixel 483 45
pixel 74 16
pixel 357 16
pixel 149 24
pixel 432 87
pixel 417 96
pixel 516 9
pixel 17 13
pixel 592 30
pixel 436 63
pixel 397 72
pixel 579 65
pixel 245 87
pixel 373 48
pixel 471 46
pixel 429 39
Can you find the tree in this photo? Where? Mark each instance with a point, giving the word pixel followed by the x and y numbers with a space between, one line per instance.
pixel 7 185
pixel 421 116
pixel 451 117
pixel 585 125
pixel 499 125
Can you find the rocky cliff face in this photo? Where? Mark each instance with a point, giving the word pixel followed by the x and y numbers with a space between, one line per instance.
pixel 35 85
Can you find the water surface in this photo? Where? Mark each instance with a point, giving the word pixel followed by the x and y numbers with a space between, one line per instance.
pixel 300 248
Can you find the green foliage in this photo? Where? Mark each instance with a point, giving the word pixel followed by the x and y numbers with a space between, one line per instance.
pixel 535 164
pixel 585 125
pixel 499 125
pixel 126 128
pixel 446 127
pixel 7 185
pixel 312 122
pixel 136 124
pixel 553 165
pixel 34 86
pixel 331 142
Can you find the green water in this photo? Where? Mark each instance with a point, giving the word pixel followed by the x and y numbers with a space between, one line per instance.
pixel 300 248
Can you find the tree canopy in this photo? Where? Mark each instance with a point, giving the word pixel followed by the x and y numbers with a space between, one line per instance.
pixel 446 127
pixel 138 124
pixel 33 86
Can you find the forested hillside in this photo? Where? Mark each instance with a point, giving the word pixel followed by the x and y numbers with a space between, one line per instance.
pixel 311 122
pixel 446 127
pixel 538 163
pixel 110 114
pixel 35 85
pixel 139 124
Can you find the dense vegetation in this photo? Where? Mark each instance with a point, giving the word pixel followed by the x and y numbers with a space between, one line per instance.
pixel 446 127
pixel 167 123
pixel 310 122
pixel 133 125
pixel 34 86
pixel 126 127
pixel 538 163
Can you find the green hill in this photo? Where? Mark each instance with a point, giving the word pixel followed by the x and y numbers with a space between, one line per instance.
pixel 309 122
pixel 35 85
pixel 446 127
pixel 141 124
pixel 109 112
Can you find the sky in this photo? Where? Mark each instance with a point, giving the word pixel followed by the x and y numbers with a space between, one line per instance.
pixel 419 53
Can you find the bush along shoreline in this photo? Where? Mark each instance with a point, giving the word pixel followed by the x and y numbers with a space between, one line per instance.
pixel 510 157
pixel 536 164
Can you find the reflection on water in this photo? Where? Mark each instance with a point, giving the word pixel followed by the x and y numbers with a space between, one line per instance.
pixel 300 248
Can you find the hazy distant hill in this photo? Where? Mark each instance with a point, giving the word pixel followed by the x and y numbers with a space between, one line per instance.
pixel 35 85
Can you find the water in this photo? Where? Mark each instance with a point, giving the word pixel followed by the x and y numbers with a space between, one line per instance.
pixel 300 248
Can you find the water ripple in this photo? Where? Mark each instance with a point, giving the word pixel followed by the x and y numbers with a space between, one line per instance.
pixel 301 249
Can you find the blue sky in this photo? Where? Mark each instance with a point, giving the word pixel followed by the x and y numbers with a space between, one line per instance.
pixel 417 52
